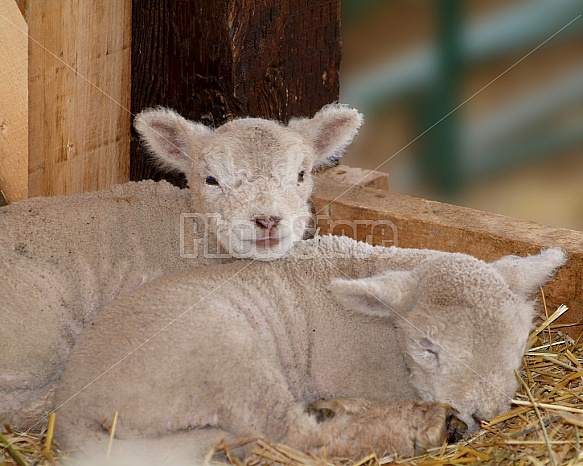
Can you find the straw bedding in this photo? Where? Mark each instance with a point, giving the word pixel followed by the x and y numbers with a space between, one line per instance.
pixel 544 427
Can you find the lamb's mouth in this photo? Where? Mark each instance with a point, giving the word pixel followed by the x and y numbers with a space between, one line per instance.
pixel 267 242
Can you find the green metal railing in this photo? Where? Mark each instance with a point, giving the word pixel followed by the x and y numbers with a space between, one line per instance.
pixel 430 78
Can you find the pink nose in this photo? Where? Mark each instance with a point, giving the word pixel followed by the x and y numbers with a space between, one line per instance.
pixel 267 222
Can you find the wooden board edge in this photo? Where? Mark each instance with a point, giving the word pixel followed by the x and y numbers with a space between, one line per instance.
pixel 354 175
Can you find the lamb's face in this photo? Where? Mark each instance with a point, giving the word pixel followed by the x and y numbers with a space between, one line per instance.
pixel 466 353
pixel 476 378
pixel 468 362
pixel 462 324
pixel 251 178
pixel 256 181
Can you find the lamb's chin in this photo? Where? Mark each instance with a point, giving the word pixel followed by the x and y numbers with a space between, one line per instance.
pixel 265 249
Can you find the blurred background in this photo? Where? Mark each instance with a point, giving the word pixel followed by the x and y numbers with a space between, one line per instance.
pixel 515 145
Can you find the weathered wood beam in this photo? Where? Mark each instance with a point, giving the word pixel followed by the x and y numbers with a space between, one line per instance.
pixel 354 175
pixel 79 77
pixel 412 222
pixel 215 60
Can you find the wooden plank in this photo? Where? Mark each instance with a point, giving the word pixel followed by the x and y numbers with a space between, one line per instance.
pixel 13 103
pixel 79 91
pixel 215 60
pixel 412 222
pixel 354 175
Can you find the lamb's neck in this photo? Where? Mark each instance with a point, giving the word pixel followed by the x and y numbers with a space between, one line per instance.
pixel 337 340
pixel 356 258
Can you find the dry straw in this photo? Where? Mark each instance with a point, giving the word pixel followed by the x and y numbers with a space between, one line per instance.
pixel 544 427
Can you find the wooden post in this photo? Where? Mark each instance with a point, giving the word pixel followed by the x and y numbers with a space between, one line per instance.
pixel 215 60
pixel 79 75
pixel 13 104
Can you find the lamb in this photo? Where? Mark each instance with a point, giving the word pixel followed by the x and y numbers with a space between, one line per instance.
pixel 387 338
pixel 63 259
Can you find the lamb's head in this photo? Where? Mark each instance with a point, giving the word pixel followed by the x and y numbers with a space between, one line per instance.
pixel 462 324
pixel 252 177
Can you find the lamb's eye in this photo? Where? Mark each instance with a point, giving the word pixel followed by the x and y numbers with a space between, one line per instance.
pixel 211 180
pixel 428 352
pixel 431 355
pixel 301 176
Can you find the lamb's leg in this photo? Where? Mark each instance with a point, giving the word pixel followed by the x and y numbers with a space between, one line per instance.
pixel 401 427
pixel 327 409
pixel 404 428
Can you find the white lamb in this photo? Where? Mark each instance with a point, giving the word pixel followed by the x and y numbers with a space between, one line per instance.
pixel 243 349
pixel 62 259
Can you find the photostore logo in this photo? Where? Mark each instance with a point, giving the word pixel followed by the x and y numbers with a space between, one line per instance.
pixel 198 233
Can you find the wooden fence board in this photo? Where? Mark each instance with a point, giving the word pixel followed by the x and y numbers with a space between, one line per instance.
pixel 418 223
pixel 13 103
pixel 79 95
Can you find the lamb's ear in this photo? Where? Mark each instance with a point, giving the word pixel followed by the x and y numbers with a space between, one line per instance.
pixel 389 294
pixel 171 138
pixel 330 131
pixel 525 274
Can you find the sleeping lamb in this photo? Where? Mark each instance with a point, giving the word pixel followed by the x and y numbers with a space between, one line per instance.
pixel 243 348
pixel 62 259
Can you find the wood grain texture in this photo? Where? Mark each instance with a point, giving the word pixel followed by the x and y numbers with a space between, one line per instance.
pixel 13 103
pixel 79 83
pixel 214 61
pixel 354 175
pixel 412 222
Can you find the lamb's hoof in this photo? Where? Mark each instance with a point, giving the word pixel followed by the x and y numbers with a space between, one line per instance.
pixel 437 423
pixel 327 409
pixel 321 410
pixel 455 427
